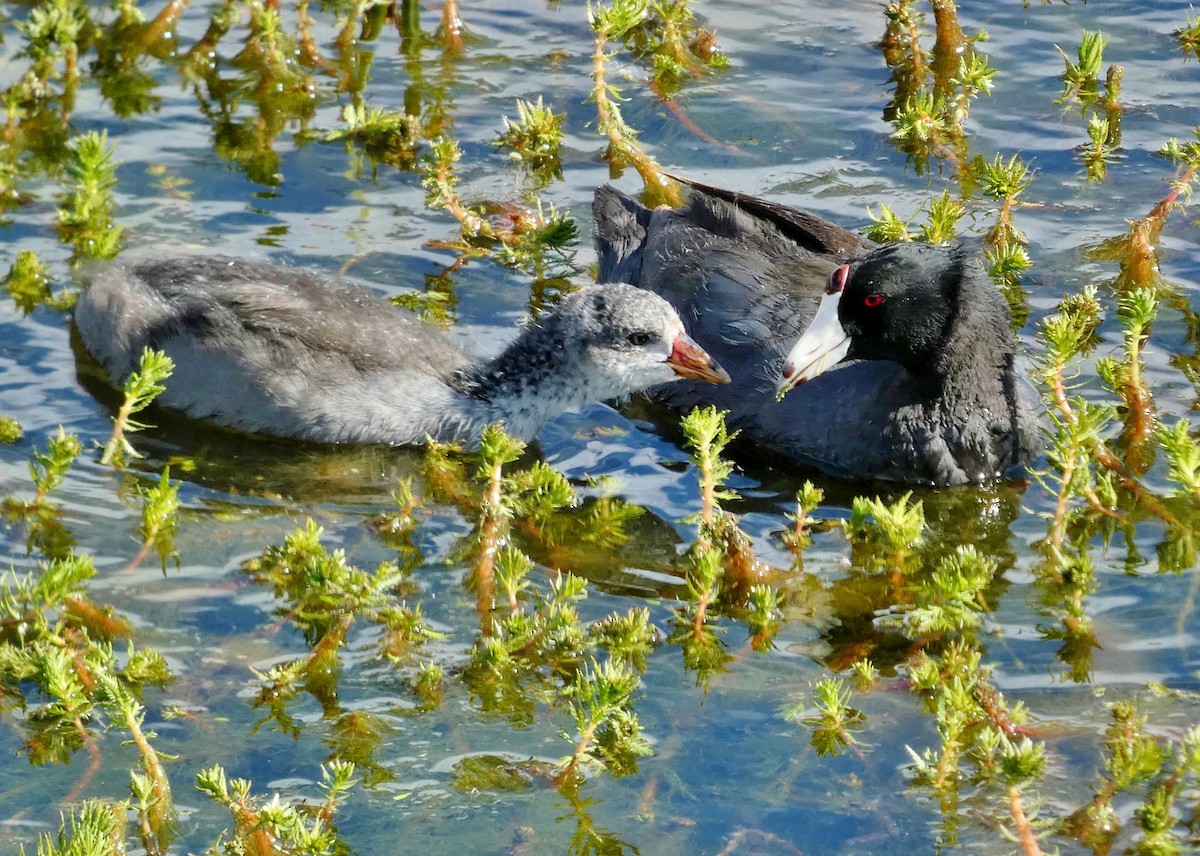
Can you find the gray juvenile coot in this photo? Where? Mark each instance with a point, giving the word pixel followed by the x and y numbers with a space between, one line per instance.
pixel 934 396
pixel 292 353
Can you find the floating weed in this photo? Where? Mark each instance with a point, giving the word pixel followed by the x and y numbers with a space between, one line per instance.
pixel 10 430
pixel 535 139
pixel 1136 252
pixel 385 136
pixel 887 226
pixel 85 218
pixel 834 722
pixel 274 827
pixel 885 536
pixel 1183 456
pixel 1188 37
pixel 933 89
pixel 535 240
pixel 676 47
pixel 611 23
pixel 93 828
pixel 1081 79
pixel 607 730
pixel 49 468
pixel 141 388
pixel 323 597
pixel 28 284
pixel 1136 312
pixel 808 498
pixel 1103 109
pixel 160 516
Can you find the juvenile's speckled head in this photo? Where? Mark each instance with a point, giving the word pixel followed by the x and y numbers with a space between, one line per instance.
pixel 603 341
pixel 631 339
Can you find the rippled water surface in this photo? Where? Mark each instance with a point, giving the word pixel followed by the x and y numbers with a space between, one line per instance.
pixel 797 117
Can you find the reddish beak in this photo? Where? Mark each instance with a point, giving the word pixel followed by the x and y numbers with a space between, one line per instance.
pixel 690 360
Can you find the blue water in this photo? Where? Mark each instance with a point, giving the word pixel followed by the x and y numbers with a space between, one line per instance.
pixel 797 117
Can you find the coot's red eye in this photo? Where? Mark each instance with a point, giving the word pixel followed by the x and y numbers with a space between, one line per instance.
pixel 873 300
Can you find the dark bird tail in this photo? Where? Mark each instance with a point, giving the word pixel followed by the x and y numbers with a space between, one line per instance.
pixel 620 224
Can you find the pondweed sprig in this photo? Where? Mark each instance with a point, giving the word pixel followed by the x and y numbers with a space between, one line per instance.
pixel 535 240
pixel 676 48
pixel 160 517
pixel 261 826
pixel 1136 252
pixel 49 468
pixel 93 828
pixel 535 139
pixel 834 721
pixel 10 430
pixel 1183 456
pixel 940 227
pixel 707 435
pixel 933 89
pixel 950 600
pixel 1188 37
pixel 141 388
pixel 808 498
pixel 386 136
pixel 1136 311
pixel 885 535
pixel 323 596
pixel 607 730
pixel 28 284
pixel 1005 254
pixel 1081 79
pixel 611 23
pixel 85 218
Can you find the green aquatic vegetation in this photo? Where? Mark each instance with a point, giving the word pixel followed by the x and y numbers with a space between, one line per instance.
pixel 535 140
pixel 885 536
pixel 54 31
pixel 28 284
pixel 1188 37
pixel 93 828
pixel 535 240
pixel 933 89
pixel 607 730
pixel 44 519
pixel 85 218
pixel 48 469
pixel 1081 79
pixel 808 498
pixel 609 24
pixel 1103 110
pixel 1183 456
pixel 10 430
pixel 834 720
pixel 160 517
pixel 275 827
pixel 324 595
pixel 385 136
pixel 1136 252
pixel 140 388
pixel 940 226
pixel 58 663
pixel 676 47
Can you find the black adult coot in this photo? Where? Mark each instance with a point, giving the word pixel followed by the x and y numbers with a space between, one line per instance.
pixel 933 396
pixel 292 353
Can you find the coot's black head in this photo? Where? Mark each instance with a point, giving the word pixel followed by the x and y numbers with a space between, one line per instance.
pixel 909 303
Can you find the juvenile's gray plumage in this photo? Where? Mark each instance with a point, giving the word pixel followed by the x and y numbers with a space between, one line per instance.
pixel 932 396
pixel 283 351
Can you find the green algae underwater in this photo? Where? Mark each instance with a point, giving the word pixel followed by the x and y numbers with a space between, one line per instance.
pixel 637 635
